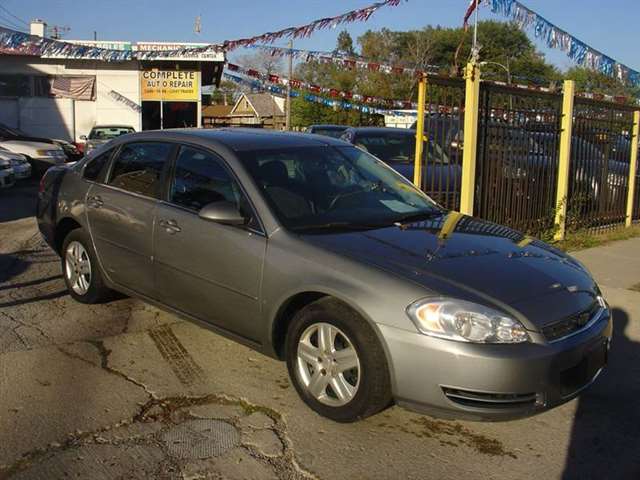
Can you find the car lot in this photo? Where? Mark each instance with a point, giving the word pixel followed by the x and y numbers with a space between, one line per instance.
pixel 125 390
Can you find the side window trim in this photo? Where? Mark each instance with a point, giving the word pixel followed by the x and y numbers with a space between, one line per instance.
pixel 225 165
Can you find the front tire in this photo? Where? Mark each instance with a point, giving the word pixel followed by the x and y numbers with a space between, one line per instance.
pixel 336 362
pixel 80 269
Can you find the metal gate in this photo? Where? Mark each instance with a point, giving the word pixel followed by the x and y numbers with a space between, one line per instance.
pixel 442 159
pixel 517 163
pixel 599 172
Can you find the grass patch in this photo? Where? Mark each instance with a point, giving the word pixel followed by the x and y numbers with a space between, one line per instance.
pixel 582 240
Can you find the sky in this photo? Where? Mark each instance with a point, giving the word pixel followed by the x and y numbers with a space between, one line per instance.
pixel 610 26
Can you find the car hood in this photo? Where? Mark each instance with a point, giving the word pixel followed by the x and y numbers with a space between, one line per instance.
pixel 459 255
pixel 28 147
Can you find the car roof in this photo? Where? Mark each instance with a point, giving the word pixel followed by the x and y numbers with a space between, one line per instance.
pixel 112 126
pixel 330 126
pixel 373 130
pixel 240 139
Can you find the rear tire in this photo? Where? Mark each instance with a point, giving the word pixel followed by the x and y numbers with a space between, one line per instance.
pixel 336 362
pixel 81 271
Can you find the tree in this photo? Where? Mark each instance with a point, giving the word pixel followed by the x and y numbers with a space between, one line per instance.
pixel 591 81
pixel 345 44
pixel 262 61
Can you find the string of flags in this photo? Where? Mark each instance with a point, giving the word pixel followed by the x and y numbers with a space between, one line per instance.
pixel 555 37
pixel 317 89
pixel 308 97
pixel 346 62
pixel 122 99
pixel 12 41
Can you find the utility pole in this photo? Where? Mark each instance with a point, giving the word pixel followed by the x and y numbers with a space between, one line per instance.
pixel 287 118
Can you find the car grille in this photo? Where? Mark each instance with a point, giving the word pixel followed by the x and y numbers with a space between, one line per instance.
pixel 571 324
pixel 468 398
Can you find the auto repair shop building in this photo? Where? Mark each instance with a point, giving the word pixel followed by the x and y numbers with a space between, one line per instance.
pixel 62 97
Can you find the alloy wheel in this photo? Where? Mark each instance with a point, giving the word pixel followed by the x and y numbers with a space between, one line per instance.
pixel 328 364
pixel 78 268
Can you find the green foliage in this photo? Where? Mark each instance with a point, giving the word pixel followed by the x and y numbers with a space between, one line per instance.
pixel 591 81
pixel 304 113
pixel 345 44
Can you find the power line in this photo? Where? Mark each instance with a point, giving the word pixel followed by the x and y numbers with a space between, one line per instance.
pixel 5 22
pixel 14 16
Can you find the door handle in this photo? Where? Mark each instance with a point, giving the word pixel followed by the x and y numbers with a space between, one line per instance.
pixel 170 226
pixel 95 202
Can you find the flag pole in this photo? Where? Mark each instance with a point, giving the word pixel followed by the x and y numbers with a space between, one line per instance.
pixel 474 49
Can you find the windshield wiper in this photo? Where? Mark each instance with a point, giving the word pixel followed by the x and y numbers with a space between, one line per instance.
pixel 415 217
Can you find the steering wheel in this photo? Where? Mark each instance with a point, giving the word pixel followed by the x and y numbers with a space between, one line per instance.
pixel 374 186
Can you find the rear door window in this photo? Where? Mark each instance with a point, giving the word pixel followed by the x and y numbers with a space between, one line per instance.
pixel 139 166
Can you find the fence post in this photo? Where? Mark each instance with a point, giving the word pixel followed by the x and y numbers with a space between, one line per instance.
pixel 566 131
pixel 417 169
pixel 470 146
pixel 633 167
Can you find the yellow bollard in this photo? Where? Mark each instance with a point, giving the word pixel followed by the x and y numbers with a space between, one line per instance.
pixel 471 107
pixel 417 169
pixel 633 167
pixel 566 132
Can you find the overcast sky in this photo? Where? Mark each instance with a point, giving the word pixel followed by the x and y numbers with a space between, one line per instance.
pixel 610 26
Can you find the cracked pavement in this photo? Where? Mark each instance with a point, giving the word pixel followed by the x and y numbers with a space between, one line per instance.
pixel 124 390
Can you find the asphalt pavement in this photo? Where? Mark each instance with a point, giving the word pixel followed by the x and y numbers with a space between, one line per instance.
pixel 124 390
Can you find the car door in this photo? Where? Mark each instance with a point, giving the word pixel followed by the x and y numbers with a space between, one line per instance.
pixel 206 269
pixel 121 210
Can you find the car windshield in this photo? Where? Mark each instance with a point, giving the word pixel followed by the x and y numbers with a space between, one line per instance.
pixel 400 147
pixel 107 133
pixel 322 188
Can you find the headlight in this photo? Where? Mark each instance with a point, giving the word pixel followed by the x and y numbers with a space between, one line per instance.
pixel 50 153
pixel 465 322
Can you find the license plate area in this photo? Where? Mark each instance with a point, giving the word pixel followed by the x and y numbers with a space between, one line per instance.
pixel 575 378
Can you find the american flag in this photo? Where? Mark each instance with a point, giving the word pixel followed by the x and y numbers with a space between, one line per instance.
pixel 80 88
pixel 470 9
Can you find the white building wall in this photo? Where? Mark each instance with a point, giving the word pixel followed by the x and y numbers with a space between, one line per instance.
pixel 51 117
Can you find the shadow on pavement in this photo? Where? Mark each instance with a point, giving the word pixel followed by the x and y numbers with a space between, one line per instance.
pixel 605 438
pixel 19 201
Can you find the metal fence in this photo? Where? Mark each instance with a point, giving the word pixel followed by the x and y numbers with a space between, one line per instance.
pixel 513 177
pixel 442 159
pixel 517 156
pixel 599 168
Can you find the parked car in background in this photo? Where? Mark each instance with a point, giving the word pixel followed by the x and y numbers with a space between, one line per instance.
pixel 19 164
pixel 101 134
pixel 70 149
pixel 396 147
pixel 40 155
pixel 315 252
pixel 7 178
pixel 327 130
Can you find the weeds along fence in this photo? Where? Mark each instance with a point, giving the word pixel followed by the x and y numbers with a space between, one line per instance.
pixel 518 163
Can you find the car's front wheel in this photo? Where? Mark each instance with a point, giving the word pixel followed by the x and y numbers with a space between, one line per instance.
pixel 336 362
pixel 80 269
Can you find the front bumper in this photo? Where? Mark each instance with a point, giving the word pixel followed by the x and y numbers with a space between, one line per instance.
pixel 494 382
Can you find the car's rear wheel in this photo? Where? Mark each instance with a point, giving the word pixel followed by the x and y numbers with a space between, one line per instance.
pixel 80 269
pixel 336 362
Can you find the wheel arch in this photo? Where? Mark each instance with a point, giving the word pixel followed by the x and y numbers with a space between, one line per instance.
pixel 63 228
pixel 297 301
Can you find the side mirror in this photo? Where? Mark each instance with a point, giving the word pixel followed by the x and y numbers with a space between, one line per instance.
pixel 222 212
pixel 83 137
